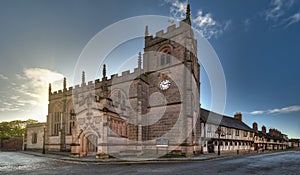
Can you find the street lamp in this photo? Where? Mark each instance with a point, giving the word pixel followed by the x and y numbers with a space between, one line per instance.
pixel 220 133
pixel 44 150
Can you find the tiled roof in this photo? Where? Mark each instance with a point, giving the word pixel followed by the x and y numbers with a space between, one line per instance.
pixel 222 120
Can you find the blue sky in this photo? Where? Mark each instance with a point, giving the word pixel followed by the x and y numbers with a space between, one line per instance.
pixel 256 41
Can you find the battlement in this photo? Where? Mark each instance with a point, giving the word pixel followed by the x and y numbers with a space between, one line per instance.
pixel 171 32
pixel 114 79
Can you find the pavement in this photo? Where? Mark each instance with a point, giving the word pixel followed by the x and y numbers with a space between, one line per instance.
pixel 267 163
pixel 64 156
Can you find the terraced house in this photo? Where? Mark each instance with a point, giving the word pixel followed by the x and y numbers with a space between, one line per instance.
pixel 224 133
pixel 273 140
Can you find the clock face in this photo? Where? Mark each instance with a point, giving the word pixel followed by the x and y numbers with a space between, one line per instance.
pixel 164 85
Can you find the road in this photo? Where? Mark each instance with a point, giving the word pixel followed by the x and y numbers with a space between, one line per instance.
pixel 271 163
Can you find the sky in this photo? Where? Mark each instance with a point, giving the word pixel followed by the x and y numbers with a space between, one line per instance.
pixel 257 43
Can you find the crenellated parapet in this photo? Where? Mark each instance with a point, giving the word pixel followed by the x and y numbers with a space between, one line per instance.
pixel 125 76
pixel 172 31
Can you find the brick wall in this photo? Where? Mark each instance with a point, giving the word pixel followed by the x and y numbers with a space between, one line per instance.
pixel 12 144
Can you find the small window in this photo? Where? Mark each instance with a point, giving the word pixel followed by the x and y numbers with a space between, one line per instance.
pixel 229 131
pixel 34 138
pixel 245 133
pixel 237 132
pixel 208 129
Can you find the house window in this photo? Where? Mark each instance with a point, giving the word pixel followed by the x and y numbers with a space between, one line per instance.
pixel 208 128
pixel 245 133
pixel 34 138
pixel 251 134
pixel 237 132
pixel 223 131
pixel 229 131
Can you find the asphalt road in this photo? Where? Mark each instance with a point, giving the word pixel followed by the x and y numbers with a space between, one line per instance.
pixel 271 163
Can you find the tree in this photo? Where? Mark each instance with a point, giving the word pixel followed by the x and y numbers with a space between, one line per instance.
pixel 15 128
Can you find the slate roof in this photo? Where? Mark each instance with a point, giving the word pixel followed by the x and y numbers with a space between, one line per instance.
pixel 222 120
pixel 260 134
pixel 269 136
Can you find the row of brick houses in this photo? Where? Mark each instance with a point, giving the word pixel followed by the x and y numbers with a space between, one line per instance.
pixel 234 135
pixel 157 106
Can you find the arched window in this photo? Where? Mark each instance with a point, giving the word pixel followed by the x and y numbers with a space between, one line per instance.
pixel 165 58
pixel 165 55
pixel 168 58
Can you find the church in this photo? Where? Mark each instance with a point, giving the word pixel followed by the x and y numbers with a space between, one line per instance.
pixel 150 112
pixel 153 109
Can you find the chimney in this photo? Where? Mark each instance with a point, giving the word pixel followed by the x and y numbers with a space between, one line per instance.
pixel 254 126
pixel 238 116
pixel 263 129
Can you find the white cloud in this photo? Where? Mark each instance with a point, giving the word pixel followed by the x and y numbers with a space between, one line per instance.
pixel 177 8
pixel 275 11
pixel 37 82
pixel 3 77
pixel 20 77
pixel 30 92
pixel 256 112
pixel 295 108
pixel 292 19
pixel 202 22
pixel 280 13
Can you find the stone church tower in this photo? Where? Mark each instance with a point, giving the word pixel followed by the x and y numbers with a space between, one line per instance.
pixel 153 109
pixel 171 58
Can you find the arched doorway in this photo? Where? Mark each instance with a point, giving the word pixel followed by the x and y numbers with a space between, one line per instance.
pixel 92 141
pixel 89 145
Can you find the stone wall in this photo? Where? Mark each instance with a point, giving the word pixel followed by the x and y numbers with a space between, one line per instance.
pixel 34 130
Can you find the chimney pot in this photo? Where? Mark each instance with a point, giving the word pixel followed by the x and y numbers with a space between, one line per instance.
pixel 238 116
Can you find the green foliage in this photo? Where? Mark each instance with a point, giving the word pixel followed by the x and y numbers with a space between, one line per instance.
pixel 14 128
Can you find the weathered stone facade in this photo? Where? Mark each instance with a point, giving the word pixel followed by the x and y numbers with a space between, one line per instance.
pixel 34 136
pixel 134 111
